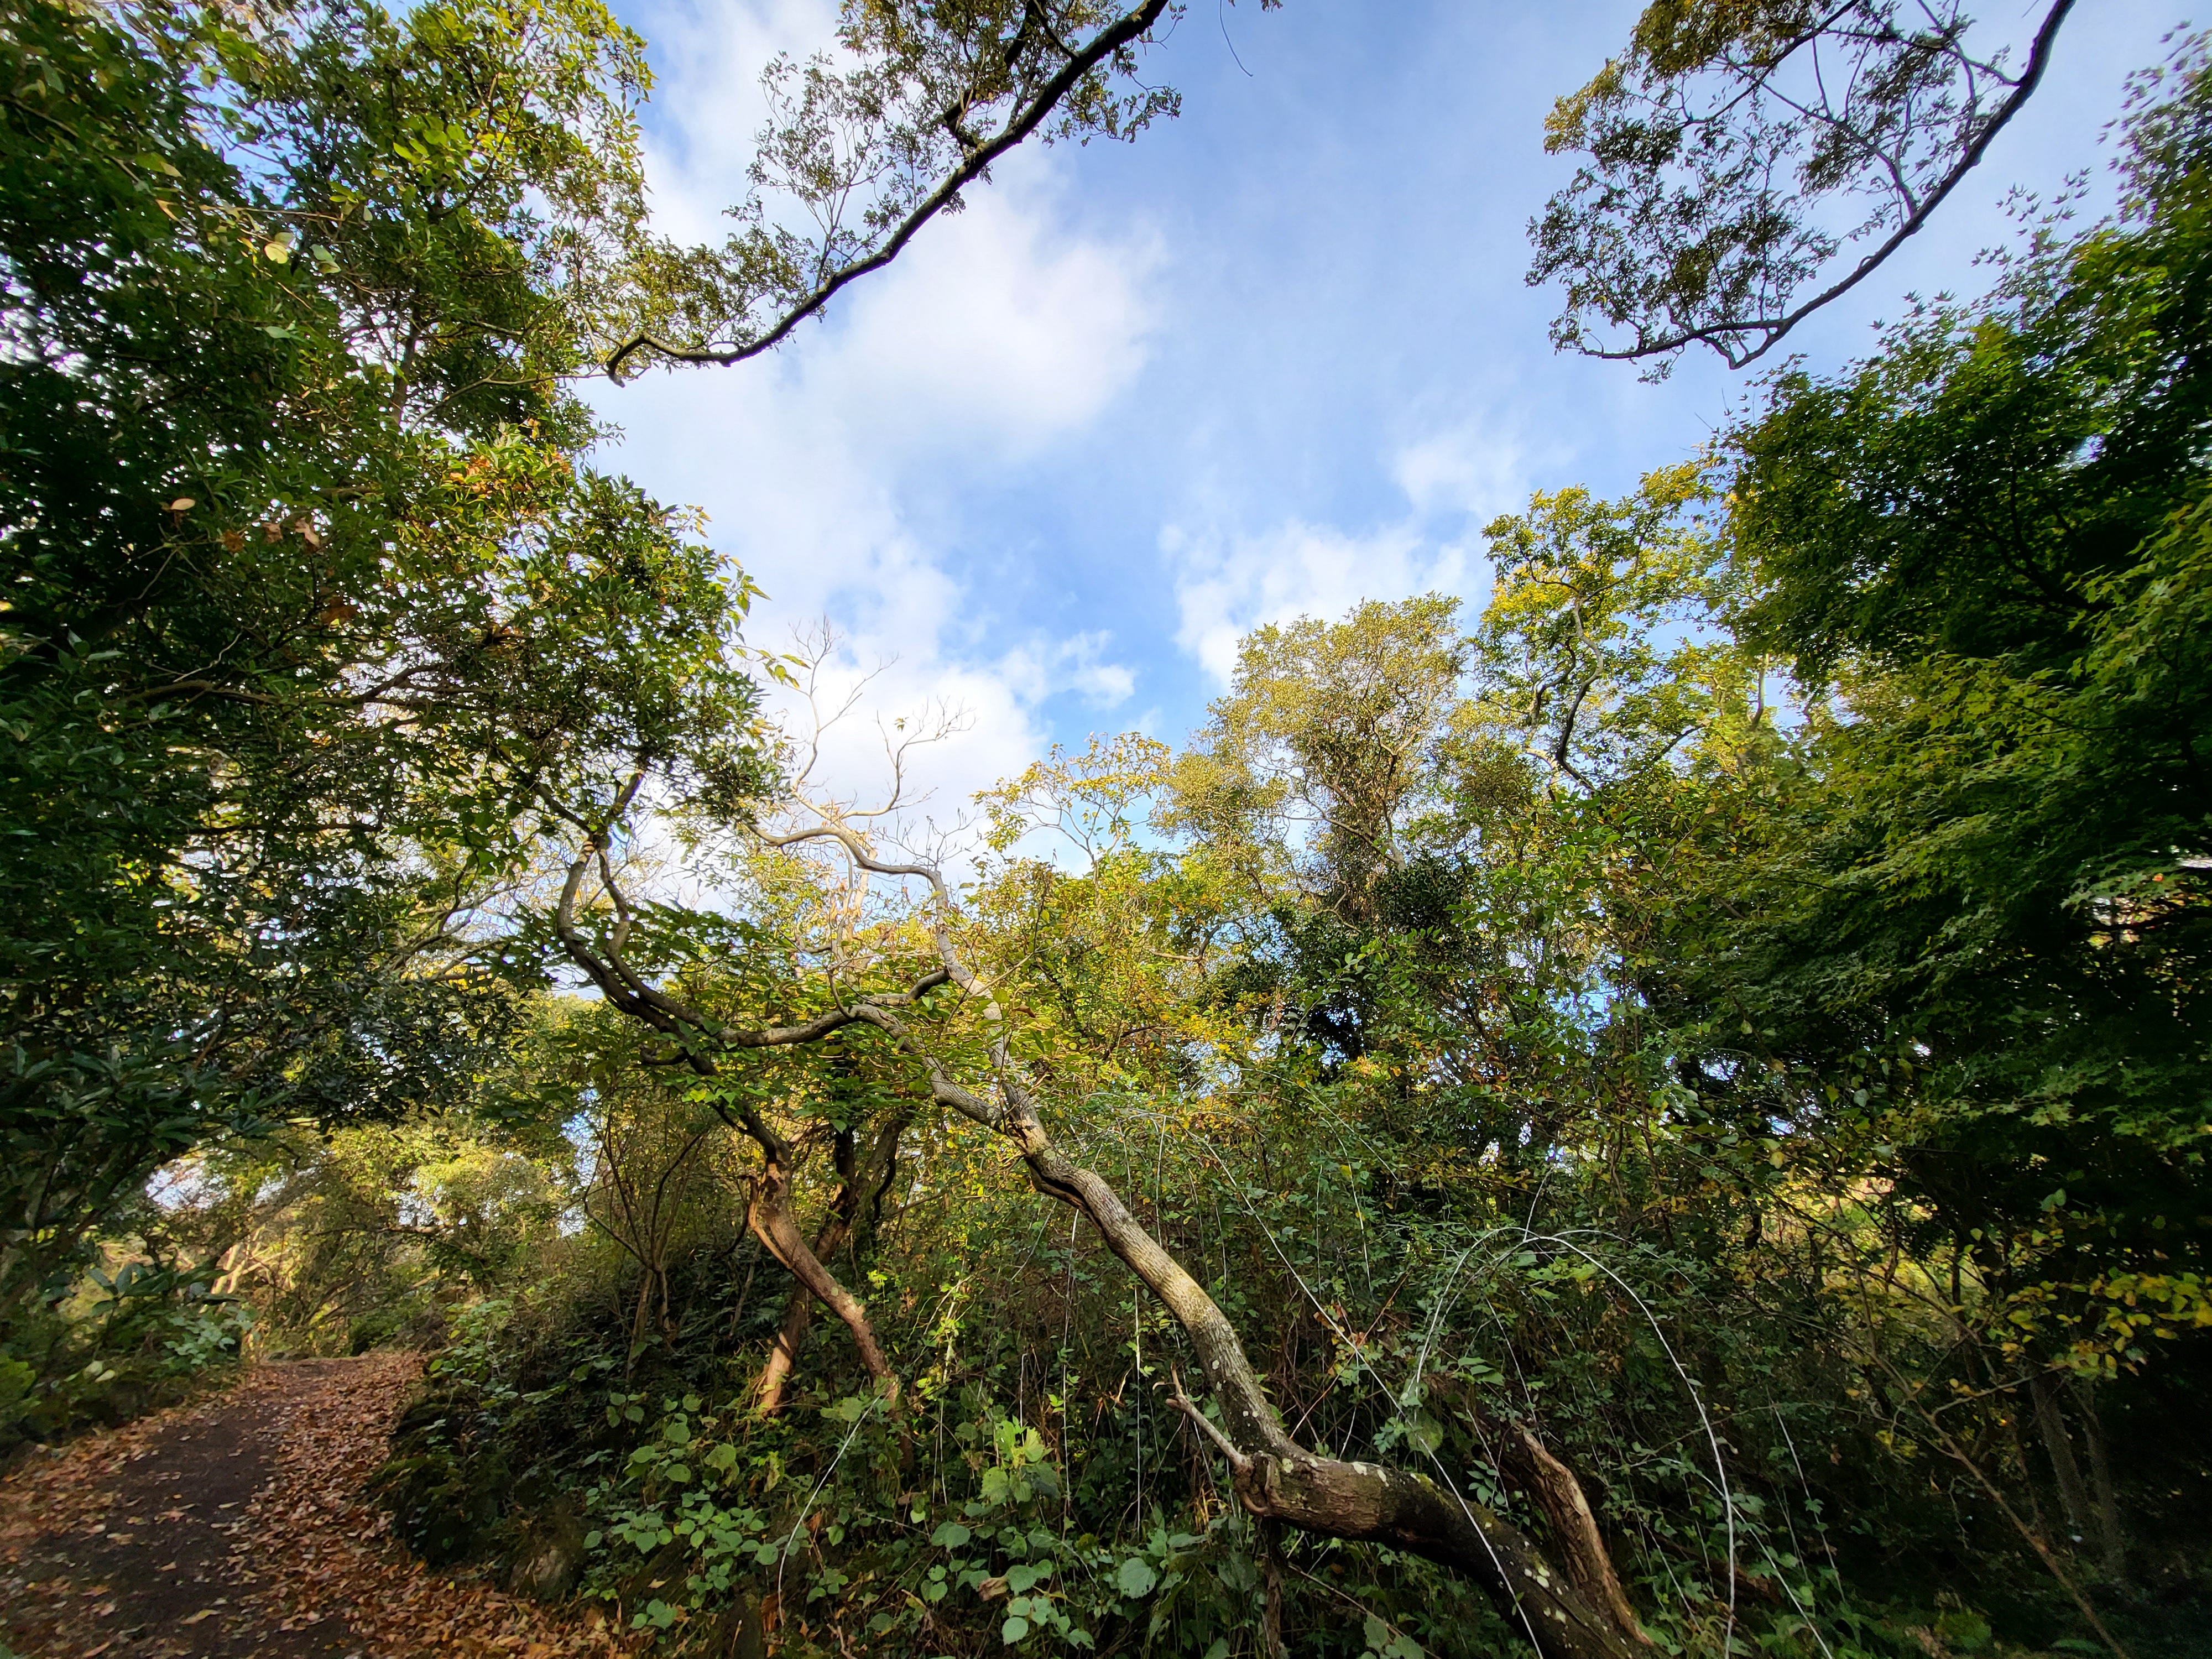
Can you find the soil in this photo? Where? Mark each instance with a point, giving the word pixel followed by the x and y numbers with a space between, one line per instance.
pixel 239 1527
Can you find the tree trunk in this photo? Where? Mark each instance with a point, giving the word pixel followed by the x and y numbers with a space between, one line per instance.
pixel 769 1216
pixel 864 1184
pixel 1271 1612
pixel 2110 1539
pixel 2050 1422
pixel 768 1211
pixel 1559 1495
pixel 790 1338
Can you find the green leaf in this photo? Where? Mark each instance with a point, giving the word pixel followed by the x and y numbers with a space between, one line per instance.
pixel 1136 1578
pixel 949 1535
pixel 1013 1630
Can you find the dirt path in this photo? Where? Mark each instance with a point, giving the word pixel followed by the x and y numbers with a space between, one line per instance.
pixel 239 1527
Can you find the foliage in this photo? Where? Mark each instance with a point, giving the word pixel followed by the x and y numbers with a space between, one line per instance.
pixel 1702 1064
pixel 115 1344
pixel 307 596
pixel 1737 153
pixel 863 147
pixel 1973 901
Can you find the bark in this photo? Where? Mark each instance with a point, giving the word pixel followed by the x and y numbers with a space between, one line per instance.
pixel 2051 1424
pixel 1559 1495
pixel 1271 1615
pixel 790 1338
pixel 2110 1538
pixel 864 1184
pixel 770 1216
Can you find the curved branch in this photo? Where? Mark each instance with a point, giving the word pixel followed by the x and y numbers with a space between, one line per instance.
pixel 973 165
pixel 1276 1478
pixel 1719 335
pixel 628 991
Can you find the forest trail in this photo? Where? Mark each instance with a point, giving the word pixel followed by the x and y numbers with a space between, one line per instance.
pixel 239 1527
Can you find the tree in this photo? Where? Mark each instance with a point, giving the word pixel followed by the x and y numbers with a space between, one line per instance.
pixel 1984 545
pixel 1319 753
pixel 1949 928
pixel 1726 139
pixel 871 148
pixel 307 594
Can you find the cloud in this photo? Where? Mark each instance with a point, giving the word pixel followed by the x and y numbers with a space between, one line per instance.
pixel 708 105
pixel 1469 467
pixel 833 469
pixel 1039 670
pixel 1227 587
pixel 1229 582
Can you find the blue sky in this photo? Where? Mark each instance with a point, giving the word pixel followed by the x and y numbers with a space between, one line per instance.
pixel 1275 358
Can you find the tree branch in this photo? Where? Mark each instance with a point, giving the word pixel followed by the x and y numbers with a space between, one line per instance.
pixel 1720 335
pixel 976 162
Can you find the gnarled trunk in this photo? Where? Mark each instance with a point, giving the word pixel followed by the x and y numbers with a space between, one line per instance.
pixel 1278 1480
pixel 863 1183
pixel 1559 1495
pixel 770 1216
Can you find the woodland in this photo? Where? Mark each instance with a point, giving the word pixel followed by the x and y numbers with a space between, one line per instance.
pixel 1666 1113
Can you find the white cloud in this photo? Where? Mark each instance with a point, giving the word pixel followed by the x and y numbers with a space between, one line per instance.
pixel 707 105
pixel 1227 587
pixel 1470 467
pixel 824 468
pixel 1041 668
pixel 1228 583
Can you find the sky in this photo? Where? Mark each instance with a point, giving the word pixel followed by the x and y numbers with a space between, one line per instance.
pixel 1275 358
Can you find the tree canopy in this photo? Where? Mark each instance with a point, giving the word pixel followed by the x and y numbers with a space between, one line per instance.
pixel 1666 1112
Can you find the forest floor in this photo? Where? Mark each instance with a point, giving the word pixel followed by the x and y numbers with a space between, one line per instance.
pixel 241 1526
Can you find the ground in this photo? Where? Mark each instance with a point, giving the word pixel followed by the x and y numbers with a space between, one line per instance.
pixel 240 1528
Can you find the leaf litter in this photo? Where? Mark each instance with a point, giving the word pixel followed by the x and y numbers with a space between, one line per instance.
pixel 97 1547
